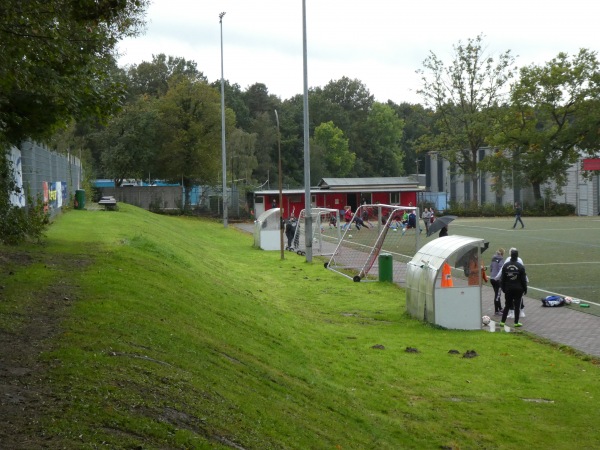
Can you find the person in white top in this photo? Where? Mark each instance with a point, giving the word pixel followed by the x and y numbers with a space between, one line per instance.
pixel 426 215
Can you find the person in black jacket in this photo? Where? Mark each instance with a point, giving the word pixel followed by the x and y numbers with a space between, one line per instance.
pixel 518 213
pixel 290 231
pixel 513 282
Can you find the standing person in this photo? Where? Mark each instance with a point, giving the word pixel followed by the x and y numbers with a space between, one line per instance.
pixel 473 269
pixel 365 216
pixel 513 281
pixel 425 215
pixel 431 215
pixel 290 231
pixel 495 268
pixel 518 212
pixel 412 220
pixel 511 313
pixel 348 217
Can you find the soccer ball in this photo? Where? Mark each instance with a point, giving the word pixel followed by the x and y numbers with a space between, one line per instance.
pixel 395 229
pixel 350 236
pixel 486 320
pixel 568 300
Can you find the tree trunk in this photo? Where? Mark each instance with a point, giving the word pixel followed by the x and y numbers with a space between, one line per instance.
pixel 537 190
pixel 187 186
pixel 475 183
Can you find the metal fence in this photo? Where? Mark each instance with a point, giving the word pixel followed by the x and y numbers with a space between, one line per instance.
pixel 50 176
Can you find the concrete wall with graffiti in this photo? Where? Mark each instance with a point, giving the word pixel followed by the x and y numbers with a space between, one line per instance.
pixel 43 174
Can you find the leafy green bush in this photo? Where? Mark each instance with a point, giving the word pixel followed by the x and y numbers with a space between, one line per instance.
pixel 540 208
pixel 19 224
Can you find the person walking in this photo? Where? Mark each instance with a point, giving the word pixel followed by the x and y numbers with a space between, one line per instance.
pixel 513 281
pixel 425 215
pixel 495 268
pixel 518 213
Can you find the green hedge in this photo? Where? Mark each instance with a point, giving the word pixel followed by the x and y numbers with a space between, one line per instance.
pixel 539 208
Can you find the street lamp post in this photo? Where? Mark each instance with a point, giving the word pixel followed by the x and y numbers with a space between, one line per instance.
pixel 223 151
pixel 307 196
pixel 281 222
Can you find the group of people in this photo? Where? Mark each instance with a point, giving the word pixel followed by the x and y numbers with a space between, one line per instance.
pixel 509 276
pixel 359 221
pixel 428 216
pixel 402 220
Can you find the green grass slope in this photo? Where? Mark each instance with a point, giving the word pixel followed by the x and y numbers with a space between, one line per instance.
pixel 180 334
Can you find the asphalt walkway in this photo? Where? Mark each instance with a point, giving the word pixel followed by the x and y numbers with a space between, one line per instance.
pixel 561 325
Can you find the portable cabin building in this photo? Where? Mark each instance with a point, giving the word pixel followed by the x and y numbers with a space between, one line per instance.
pixel 336 193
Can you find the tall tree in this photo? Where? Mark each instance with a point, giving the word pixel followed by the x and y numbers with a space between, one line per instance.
pixel 384 154
pixel 349 105
pixel 465 96
pixel 129 141
pixel 553 117
pixel 235 99
pixel 418 122
pixel 190 130
pixel 55 62
pixel 152 78
pixel 241 149
pixel 333 157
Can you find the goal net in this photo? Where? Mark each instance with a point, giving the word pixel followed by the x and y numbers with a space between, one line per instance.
pixel 376 229
pixel 325 232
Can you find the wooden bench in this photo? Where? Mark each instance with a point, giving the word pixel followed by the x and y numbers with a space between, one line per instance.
pixel 109 203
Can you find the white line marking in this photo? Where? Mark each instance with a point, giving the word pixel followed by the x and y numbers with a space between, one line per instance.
pixel 563 263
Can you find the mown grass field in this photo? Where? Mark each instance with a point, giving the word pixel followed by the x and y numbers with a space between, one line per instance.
pixel 561 254
pixel 177 333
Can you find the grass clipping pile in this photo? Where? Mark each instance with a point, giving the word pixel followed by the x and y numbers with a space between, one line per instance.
pixel 24 394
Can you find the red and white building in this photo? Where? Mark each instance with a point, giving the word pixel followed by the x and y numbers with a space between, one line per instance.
pixel 336 193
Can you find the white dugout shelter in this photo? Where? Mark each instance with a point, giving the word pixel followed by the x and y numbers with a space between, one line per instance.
pixel 456 302
pixel 267 230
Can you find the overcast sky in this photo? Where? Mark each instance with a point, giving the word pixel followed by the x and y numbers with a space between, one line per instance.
pixel 379 42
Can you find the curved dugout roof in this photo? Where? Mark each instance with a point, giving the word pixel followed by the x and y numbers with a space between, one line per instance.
pixel 436 252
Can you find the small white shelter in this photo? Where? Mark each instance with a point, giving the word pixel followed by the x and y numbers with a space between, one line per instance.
pixel 267 230
pixel 443 282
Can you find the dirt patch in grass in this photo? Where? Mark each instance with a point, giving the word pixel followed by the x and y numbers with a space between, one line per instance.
pixel 25 395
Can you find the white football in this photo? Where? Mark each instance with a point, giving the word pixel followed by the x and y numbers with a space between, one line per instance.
pixel 350 236
pixel 486 320
pixel 568 300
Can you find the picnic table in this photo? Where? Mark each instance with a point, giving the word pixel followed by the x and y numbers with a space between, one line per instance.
pixel 109 203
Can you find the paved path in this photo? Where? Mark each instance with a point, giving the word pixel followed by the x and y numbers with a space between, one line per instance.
pixel 566 326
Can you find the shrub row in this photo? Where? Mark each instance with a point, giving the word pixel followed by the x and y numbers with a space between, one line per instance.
pixel 539 208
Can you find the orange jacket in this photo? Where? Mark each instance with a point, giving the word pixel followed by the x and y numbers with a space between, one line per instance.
pixel 447 276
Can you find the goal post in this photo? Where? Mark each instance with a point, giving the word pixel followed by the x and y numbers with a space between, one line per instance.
pixel 374 229
pixel 325 232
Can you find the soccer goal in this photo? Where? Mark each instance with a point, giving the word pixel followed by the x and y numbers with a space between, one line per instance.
pixel 325 232
pixel 376 229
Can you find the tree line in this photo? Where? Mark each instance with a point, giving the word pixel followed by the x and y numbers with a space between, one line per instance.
pixel 60 84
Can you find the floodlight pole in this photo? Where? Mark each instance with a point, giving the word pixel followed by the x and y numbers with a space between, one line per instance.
pixel 281 224
pixel 223 150
pixel 307 198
